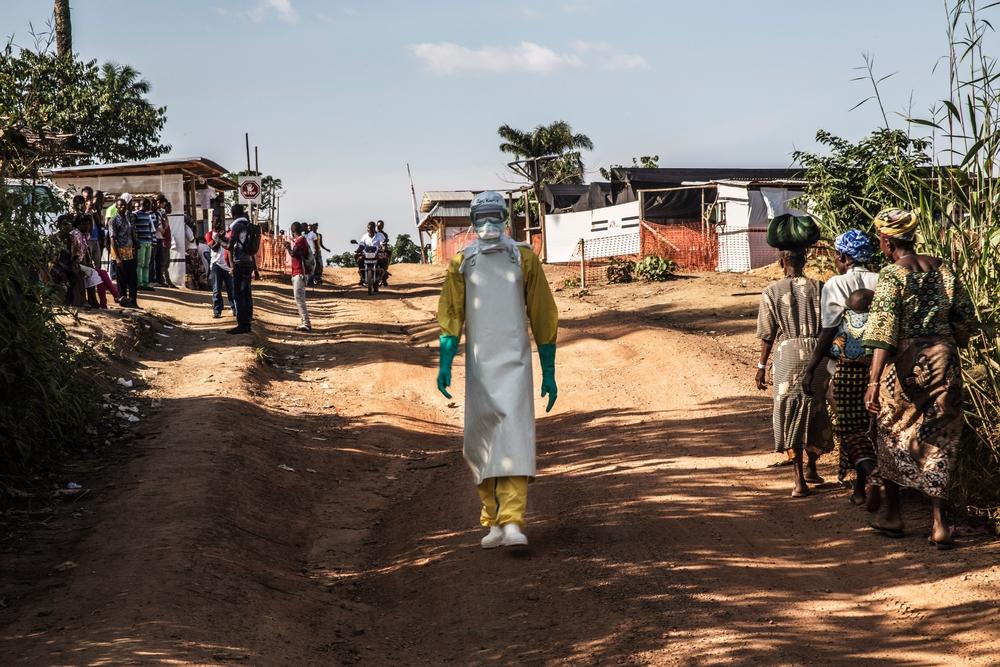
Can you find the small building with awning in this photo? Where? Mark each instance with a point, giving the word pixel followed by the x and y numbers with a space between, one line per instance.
pixel 193 185
pixel 190 184
pixel 445 218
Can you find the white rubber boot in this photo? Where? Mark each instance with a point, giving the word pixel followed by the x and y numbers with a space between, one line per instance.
pixel 513 537
pixel 493 539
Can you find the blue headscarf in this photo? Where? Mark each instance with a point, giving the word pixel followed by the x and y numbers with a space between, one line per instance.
pixel 855 244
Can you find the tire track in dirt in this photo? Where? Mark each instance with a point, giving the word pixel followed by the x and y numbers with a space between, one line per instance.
pixel 658 534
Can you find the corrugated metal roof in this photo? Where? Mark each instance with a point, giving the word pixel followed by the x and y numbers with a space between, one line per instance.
pixel 440 211
pixel 432 197
pixel 769 182
pixel 201 167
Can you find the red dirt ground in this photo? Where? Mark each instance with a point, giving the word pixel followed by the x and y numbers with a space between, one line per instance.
pixel 659 534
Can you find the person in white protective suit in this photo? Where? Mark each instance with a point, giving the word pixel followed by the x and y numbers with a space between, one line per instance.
pixel 495 288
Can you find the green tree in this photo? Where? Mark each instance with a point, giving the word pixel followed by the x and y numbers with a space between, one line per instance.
pixel 557 143
pixel 405 251
pixel 847 186
pixel 642 162
pixel 59 110
pixel 344 259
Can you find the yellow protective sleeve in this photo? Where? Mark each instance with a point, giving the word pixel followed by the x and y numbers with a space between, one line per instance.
pixel 538 298
pixel 451 305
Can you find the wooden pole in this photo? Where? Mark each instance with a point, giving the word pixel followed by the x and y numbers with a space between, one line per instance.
pixel 256 171
pixel 510 209
pixel 246 136
pixel 583 263
pixel 541 216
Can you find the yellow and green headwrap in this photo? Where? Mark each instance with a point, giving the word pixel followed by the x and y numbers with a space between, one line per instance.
pixel 896 223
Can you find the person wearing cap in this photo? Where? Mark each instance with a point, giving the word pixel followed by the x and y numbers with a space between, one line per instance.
pixel 920 316
pixel 494 290
pixel 854 251
pixel 123 251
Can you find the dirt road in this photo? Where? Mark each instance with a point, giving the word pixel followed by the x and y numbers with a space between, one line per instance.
pixel 302 500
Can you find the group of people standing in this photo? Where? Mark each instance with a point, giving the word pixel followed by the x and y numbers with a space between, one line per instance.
pixel 135 234
pixel 891 340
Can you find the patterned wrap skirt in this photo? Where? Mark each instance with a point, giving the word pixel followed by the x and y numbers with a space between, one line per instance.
pixel 852 423
pixel 921 419
pixel 800 421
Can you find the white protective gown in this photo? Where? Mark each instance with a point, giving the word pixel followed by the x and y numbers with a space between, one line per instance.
pixel 499 407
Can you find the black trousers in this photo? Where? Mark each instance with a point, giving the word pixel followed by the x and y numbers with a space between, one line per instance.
pixel 242 295
pixel 128 279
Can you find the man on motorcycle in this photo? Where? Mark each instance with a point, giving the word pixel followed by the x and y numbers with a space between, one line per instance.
pixel 495 289
pixel 372 239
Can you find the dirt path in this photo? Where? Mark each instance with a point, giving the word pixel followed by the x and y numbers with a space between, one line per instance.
pixel 659 534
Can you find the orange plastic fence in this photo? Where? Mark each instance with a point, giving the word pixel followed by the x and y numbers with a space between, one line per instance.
pixel 452 247
pixel 691 244
pixel 272 256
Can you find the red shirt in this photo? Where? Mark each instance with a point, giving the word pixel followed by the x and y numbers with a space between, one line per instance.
pixel 300 250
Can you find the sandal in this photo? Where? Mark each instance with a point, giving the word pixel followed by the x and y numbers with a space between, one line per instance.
pixel 894 533
pixel 945 545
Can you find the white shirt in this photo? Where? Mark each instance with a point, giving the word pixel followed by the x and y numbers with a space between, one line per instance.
pixel 837 291
pixel 368 239
pixel 311 239
pixel 219 256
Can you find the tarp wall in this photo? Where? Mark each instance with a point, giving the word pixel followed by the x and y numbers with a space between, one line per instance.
pixel 564 230
pixel 177 250
pixel 743 239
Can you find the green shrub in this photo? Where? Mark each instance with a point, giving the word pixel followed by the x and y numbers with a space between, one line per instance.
pixel 43 404
pixel 656 269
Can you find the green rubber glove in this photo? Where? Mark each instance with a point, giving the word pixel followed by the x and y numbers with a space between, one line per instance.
pixel 547 357
pixel 448 350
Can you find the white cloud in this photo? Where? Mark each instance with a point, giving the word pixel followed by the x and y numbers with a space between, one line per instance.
pixel 577 8
pixel 446 58
pixel 283 8
pixel 607 57
pixel 529 13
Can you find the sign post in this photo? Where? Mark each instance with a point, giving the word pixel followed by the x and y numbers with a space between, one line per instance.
pixel 250 189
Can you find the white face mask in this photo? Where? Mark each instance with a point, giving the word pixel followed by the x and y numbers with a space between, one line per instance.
pixel 490 229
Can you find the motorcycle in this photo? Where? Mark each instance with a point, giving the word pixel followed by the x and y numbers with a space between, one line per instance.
pixel 370 262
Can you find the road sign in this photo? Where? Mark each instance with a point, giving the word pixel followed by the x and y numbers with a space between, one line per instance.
pixel 250 189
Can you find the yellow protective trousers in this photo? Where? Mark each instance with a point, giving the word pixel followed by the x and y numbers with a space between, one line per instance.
pixel 504 500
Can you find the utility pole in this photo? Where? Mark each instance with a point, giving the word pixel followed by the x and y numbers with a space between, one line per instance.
pixel 416 216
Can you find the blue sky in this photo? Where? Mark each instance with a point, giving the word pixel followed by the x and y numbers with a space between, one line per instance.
pixel 339 95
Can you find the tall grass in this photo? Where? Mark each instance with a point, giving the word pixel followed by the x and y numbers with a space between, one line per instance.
pixel 959 221
pixel 951 177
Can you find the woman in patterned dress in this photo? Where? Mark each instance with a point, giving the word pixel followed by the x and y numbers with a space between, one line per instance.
pixel 789 323
pixel 920 316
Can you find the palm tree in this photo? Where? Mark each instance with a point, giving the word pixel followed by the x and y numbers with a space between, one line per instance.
pixel 64 28
pixel 555 141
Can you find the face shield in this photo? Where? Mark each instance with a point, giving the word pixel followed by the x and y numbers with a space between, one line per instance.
pixel 489 225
